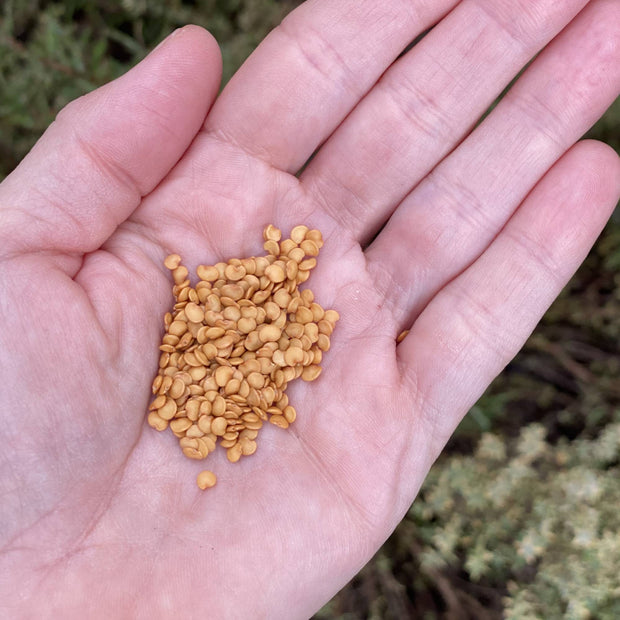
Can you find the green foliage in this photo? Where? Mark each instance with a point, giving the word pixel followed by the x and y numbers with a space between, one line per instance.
pixel 52 52
pixel 539 517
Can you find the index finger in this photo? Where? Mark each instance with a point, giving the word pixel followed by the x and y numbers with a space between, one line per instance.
pixel 309 73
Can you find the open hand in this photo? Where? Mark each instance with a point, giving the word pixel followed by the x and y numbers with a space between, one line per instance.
pixel 462 233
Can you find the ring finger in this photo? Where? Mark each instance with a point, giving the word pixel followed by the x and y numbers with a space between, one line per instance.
pixel 424 105
pixel 455 213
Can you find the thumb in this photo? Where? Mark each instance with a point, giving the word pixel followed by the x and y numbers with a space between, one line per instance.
pixel 109 148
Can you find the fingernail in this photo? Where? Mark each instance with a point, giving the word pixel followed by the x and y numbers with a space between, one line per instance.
pixel 173 34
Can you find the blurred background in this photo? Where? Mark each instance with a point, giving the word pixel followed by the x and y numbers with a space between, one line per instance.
pixel 520 516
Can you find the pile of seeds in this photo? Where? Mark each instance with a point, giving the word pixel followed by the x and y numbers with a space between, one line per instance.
pixel 234 342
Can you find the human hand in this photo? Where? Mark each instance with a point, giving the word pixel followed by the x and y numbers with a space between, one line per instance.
pixel 463 235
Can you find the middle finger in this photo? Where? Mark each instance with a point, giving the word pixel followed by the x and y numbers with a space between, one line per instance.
pixel 425 104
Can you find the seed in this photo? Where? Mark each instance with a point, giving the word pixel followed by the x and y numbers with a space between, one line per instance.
pixel 179 274
pixel 269 333
pixel 192 453
pixel 157 422
pixel 235 341
pixel 256 380
pixel 167 410
pixel 177 328
pixel 234 272
pixel 282 298
pixel 158 402
pixel 293 355
pixel 206 479
pixel 298 234
pixel 248 446
pixel 207 273
pixel 296 255
pixel 219 406
pixel 310 373
pixel 172 261
pixel 194 431
pixel 246 325
pixel 291 269
pixel 194 313
pixel 232 387
pixel 303 315
pixel 275 273
pixel 272 233
pixel 332 316
pixel 402 336
pixel 289 414
pixel 315 235
pixel 279 420
pixel 180 425
pixel 204 423
pixel 234 452
pixel 325 327
pixel 323 342
pixel 309 247
pixel 176 389
pixel 223 375
pixel 218 426
pixel 272 247
pixel 202 447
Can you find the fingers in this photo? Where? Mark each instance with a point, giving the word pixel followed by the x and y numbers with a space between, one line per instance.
pixel 424 105
pixel 311 71
pixel 478 322
pixel 452 216
pixel 109 148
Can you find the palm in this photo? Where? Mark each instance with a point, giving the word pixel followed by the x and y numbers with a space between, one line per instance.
pixel 292 523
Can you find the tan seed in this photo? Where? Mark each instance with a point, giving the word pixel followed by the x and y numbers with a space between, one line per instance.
pixel 234 453
pixel 290 414
pixel 194 313
pixel 310 373
pixel 207 273
pixel 293 355
pixel 206 479
pixel 272 247
pixel 177 328
pixel 172 261
pixel 297 255
pixel 279 420
pixel 176 389
pixel 168 410
pixel 332 316
pixel 272 233
pixel 309 247
pixel 269 333
pixel 157 422
pixel 180 425
pixel 218 426
pixel 298 234
pixel 204 423
pixel 223 375
pixel 402 336
pixel 179 274
pixel 303 315
pixel 158 402
pixel 234 272
pixel 248 446
pixel 275 273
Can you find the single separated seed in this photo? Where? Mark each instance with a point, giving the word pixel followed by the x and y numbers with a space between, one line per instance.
pixel 206 479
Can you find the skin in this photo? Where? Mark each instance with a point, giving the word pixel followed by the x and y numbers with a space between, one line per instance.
pixel 464 235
